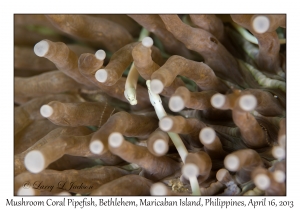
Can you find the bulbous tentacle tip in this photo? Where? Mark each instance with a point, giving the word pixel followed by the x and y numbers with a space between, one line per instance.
pixel 46 111
pixel 115 139
pixel 262 181
pixel 26 191
pixel 207 135
pixel 158 189
pixel 156 86
pixel 217 100
pixel 190 170
pixel 34 161
pixel 261 24
pixel 100 55
pixel 279 176
pixel 96 147
pixel 166 124
pixel 248 102
pixel 176 104
pixel 147 42
pixel 41 48
pixel 278 152
pixel 232 162
pixel 221 174
pixel 160 147
pixel 101 75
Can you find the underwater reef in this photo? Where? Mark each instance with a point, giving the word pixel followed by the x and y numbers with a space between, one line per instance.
pixel 150 104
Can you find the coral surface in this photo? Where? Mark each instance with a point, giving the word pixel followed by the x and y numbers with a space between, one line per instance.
pixel 149 104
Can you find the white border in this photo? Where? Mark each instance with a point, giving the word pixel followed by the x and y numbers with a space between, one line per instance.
pixel 236 6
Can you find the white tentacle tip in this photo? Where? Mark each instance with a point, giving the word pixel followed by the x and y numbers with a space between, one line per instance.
pixel 158 189
pixel 262 181
pixel 232 162
pixel 166 124
pixel 176 103
pixel 248 102
pixel 46 110
pixel 147 41
pixel 34 161
pixel 25 191
pixel 279 176
pixel 41 48
pixel 156 86
pixel 261 24
pixel 190 170
pixel 278 152
pixel 115 139
pixel 160 147
pixel 101 75
pixel 100 55
pixel 96 147
pixel 207 135
pixel 218 100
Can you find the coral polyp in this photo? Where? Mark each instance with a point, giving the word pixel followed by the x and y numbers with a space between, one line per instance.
pixel 150 104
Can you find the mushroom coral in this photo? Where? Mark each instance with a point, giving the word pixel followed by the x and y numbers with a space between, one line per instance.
pixel 150 104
